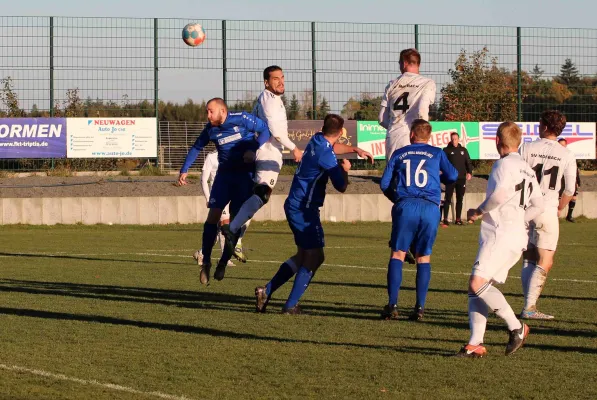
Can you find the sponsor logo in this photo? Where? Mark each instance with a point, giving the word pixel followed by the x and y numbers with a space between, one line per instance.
pixel 30 130
pixel 108 122
pixel 230 139
pixel 530 131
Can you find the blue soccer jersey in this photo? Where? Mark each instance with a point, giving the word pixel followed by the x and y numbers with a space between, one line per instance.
pixel 318 164
pixel 240 132
pixel 413 172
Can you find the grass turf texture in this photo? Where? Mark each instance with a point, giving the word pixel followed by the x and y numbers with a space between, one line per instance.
pixel 123 305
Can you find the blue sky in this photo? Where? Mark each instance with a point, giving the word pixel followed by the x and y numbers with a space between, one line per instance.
pixel 546 13
pixel 90 54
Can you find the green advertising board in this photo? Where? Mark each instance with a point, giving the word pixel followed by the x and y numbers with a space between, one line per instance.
pixel 371 136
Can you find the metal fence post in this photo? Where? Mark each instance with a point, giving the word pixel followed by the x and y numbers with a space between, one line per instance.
pixel 417 36
pixel 52 73
pixel 519 72
pixel 155 88
pixel 224 66
pixel 313 71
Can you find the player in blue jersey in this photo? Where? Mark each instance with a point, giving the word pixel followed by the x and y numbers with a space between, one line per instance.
pixel 237 137
pixel 411 181
pixel 306 196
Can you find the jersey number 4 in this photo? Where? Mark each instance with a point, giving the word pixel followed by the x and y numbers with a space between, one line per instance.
pixel 553 172
pixel 404 100
pixel 420 174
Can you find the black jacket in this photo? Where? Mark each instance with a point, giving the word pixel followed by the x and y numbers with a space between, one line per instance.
pixel 460 159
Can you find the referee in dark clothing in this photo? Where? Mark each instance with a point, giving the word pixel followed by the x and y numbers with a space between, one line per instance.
pixel 460 159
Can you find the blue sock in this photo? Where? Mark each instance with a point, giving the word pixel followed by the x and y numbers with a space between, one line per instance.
pixel 210 232
pixel 282 276
pixel 301 283
pixel 423 279
pixel 394 280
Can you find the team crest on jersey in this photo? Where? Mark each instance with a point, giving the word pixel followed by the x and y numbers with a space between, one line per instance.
pixel 462 153
pixel 237 130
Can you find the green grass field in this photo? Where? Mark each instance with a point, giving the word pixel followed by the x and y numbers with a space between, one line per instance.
pixel 116 312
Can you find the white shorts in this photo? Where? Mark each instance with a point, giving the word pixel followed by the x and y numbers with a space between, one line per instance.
pixel 268 163
pixel 497 254
pixel 544 231
pixel 395 141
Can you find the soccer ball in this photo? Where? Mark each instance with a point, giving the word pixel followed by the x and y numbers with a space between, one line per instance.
pixel 193 34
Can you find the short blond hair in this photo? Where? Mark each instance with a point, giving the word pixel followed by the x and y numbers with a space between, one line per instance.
pixel 421 129
pixel 510 134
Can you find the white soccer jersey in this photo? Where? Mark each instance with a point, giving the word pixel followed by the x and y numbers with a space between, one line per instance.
pixel 551 161
pixel 210 168
pixel 270 109
pixel 512 199
pixel 405 99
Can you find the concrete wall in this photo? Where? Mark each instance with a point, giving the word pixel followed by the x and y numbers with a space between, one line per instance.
pixel 189 210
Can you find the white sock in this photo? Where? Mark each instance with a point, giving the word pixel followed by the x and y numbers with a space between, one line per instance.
pixel 222 241
pixel 243 229
pixel 477 319
pixel 525 275
pixel 536 284
pixel 495 300
pixel 246 212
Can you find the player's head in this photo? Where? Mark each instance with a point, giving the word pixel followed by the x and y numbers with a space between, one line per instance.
pixel 410 61
pixel 216 111
pixel 273 77
pixel 454 138
pixel 420 131
pixel 551 123
pixel 508 138
pixel 332 127
pixel 563 142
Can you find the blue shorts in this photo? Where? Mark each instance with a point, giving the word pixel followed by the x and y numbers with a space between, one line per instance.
pixel 414 222
pixel 231 187
pixel 305 225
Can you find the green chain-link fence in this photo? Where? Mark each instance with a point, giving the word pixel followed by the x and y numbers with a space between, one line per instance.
pixel 62 66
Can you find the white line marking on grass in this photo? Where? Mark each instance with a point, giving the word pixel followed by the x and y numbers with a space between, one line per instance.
pixel 280 262
pixel 112 386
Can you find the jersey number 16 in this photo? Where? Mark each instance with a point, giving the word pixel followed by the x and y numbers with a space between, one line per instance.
pixel 420 174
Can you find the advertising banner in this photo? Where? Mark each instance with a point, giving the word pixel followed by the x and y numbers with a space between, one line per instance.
pixel 579 135
pixel 371 136
pixel 32 137
pixel 301 131
pixel 112 138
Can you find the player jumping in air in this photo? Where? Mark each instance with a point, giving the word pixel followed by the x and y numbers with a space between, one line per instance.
pixel 208 175
pixel 411 181
pixel 551 162
pixel 270 108
pixel 306 196
pixel 512 200
pixel 237 137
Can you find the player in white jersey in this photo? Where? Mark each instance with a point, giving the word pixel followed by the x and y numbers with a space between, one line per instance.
pixel 405 99
pixel 268 159
pixel 513 199
pixel 551 162
pixel 208 174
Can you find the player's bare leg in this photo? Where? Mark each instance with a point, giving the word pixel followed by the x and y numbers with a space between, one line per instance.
pixel 210 232
pixel 537 264
pixel 482 291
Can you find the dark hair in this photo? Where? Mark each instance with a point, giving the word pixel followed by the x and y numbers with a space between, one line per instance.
pixel 421 129
pixel 410 56
pixel 554 121
pixel 454 133
pixel 332 124
pixel 562 140
pixel 269 70
pixel 217 100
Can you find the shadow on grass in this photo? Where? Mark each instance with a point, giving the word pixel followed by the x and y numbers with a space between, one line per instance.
pixel 23 312
pixel 87 258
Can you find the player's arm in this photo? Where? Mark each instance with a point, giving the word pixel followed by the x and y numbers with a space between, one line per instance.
pixel 194 151
pixel 340 148
pixel 449 174
pixel 427 99
pixel 469 165
pixel 389 180
pixel 278 126
pixel 503 191
pixel 384 113
pixel 337 170
pixel 536 202
pixel 570 184
pixel 254 124
pixel 207 168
